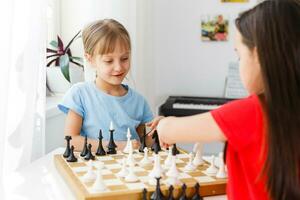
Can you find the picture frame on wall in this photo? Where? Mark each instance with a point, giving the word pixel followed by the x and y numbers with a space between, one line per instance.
pixel 214 28
pixel 234 1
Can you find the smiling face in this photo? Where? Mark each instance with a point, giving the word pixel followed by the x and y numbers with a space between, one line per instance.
pixel 250 72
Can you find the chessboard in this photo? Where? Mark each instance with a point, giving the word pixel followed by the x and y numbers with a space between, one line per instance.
pixel 117 188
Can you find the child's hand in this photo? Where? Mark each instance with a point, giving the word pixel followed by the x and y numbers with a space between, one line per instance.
pixel 153 124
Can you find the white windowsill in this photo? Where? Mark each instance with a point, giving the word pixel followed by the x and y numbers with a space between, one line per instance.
pixel 51 105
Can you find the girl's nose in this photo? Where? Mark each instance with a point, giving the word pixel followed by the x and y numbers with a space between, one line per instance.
pixel 118 66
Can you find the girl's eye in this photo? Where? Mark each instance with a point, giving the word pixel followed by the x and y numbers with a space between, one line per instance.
pixel 124 59
pixel 108 61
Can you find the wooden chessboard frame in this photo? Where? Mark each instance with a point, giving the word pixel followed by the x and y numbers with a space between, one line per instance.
pixel 217 187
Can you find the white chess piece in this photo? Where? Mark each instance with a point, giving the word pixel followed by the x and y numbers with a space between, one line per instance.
pixel 157 170
pixel 145 161
pixel 130 158
pixel 221 172
pixel 168 160
pixel 111 126
pixel 173 174
pixel 127 147
pixel 198 157
pixel 212 170
pixel 123 172
pixel 90 174
pixel 99 185
pixel 131 177
pixel 190 166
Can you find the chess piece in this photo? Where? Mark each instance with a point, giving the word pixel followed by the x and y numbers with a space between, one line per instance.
pixel 68 149
pixel 156 144
pixel 183 193
pixel 197 193
pixel 72 157
pixel 170 196
pixel 111 145
pixel 190 166
pixel 176 150
pixel 84 150
pixel 145 161
pixel 157 170
pixel 221 172
pixel 198 157
pixel 157 194
pixel 143 142
pixel 131 177
pixel 212 170
pixel 123 172
pixel 168 160
pixel 130 158
pixel 173 173
pixel 100 149
pixel 90 174
pixel 144 194
pixel 129 143
pixel 99 185
pixel 89 155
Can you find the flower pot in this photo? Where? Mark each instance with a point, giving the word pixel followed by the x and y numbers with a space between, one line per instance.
pixel 57 82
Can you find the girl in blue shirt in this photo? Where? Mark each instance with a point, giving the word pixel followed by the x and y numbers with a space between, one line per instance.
pixel 91 106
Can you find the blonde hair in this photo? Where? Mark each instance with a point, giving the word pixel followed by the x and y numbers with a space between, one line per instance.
pixel 102 36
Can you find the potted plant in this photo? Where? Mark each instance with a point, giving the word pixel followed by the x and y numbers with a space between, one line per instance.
pixel 63 69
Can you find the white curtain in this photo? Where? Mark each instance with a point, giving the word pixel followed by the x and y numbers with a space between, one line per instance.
pixel 22 88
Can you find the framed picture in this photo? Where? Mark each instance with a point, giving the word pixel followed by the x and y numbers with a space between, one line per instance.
pixel 214 28
pixel 234 1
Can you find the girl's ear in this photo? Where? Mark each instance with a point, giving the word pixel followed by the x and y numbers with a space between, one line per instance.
pixel 88 57
pixel 255 55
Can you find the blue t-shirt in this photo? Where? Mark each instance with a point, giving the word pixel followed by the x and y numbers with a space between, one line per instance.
pixel 98 109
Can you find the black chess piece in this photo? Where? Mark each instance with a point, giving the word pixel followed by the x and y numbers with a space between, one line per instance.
pixel 170 196
pixel 197 193
pixel 175 147
pixel 174 150
pixel 156 143
pixel 68 149
pixel 144 194
pixel 111 145
pixel 72 157
pixel 183 193
pixel 100 149
pixel 89 155
pixel 84 150
pixel 143 142
pixel 157 194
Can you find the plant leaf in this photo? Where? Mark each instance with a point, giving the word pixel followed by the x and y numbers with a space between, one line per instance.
pixel 76 63
pixel 69 52
pixel 69 44
pixel 64 66
pixel 54 43
pixel 49 63
pixel 57 54
pixel 76 58
pixel 51 50
pixel 60 44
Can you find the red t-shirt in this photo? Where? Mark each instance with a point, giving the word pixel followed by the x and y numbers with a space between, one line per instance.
pixel 242 123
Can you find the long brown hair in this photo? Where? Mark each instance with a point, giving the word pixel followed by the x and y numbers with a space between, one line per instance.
pixel 273 27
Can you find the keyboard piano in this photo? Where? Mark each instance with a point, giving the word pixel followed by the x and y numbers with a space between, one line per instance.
pixel 185 106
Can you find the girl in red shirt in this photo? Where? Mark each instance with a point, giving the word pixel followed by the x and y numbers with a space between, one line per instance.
pixel 263 130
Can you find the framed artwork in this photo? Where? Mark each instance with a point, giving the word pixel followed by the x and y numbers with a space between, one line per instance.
pixel 234 1
pixel 214 28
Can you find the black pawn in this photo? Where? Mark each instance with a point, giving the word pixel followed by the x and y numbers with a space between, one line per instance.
pixel 144 194
pixel 157 194
pixel 175 147
pixel 156 141
pixel 84 150
pixel 197 193
pixel 68 149
pixel 143 144
pixel 183 193
pixel 100 150
pixel 72 157
pixel 171 189
pixel 89 155
pixel 111 145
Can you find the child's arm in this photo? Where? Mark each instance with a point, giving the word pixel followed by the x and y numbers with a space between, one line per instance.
pixel 201 127
pixel 73 126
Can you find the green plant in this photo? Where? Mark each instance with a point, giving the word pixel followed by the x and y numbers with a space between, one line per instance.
pixel 61 56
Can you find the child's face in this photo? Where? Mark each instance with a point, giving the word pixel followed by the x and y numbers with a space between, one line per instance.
pixel 249 66
pixel 112 67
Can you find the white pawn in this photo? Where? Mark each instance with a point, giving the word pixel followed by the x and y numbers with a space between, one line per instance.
pixel 130 158
pixel 157 170
pixel 173 169
pixel 190 166
pixel 131 177
pixel 145 161
pixel 90 175
pixel 212 170
pixel 198 157
pixel 168 160
pixel 127 147
pixel 221 172
pixel 99 185
pixel 123 172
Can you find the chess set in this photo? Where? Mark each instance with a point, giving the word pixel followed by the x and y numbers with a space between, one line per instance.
pixel 145 173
